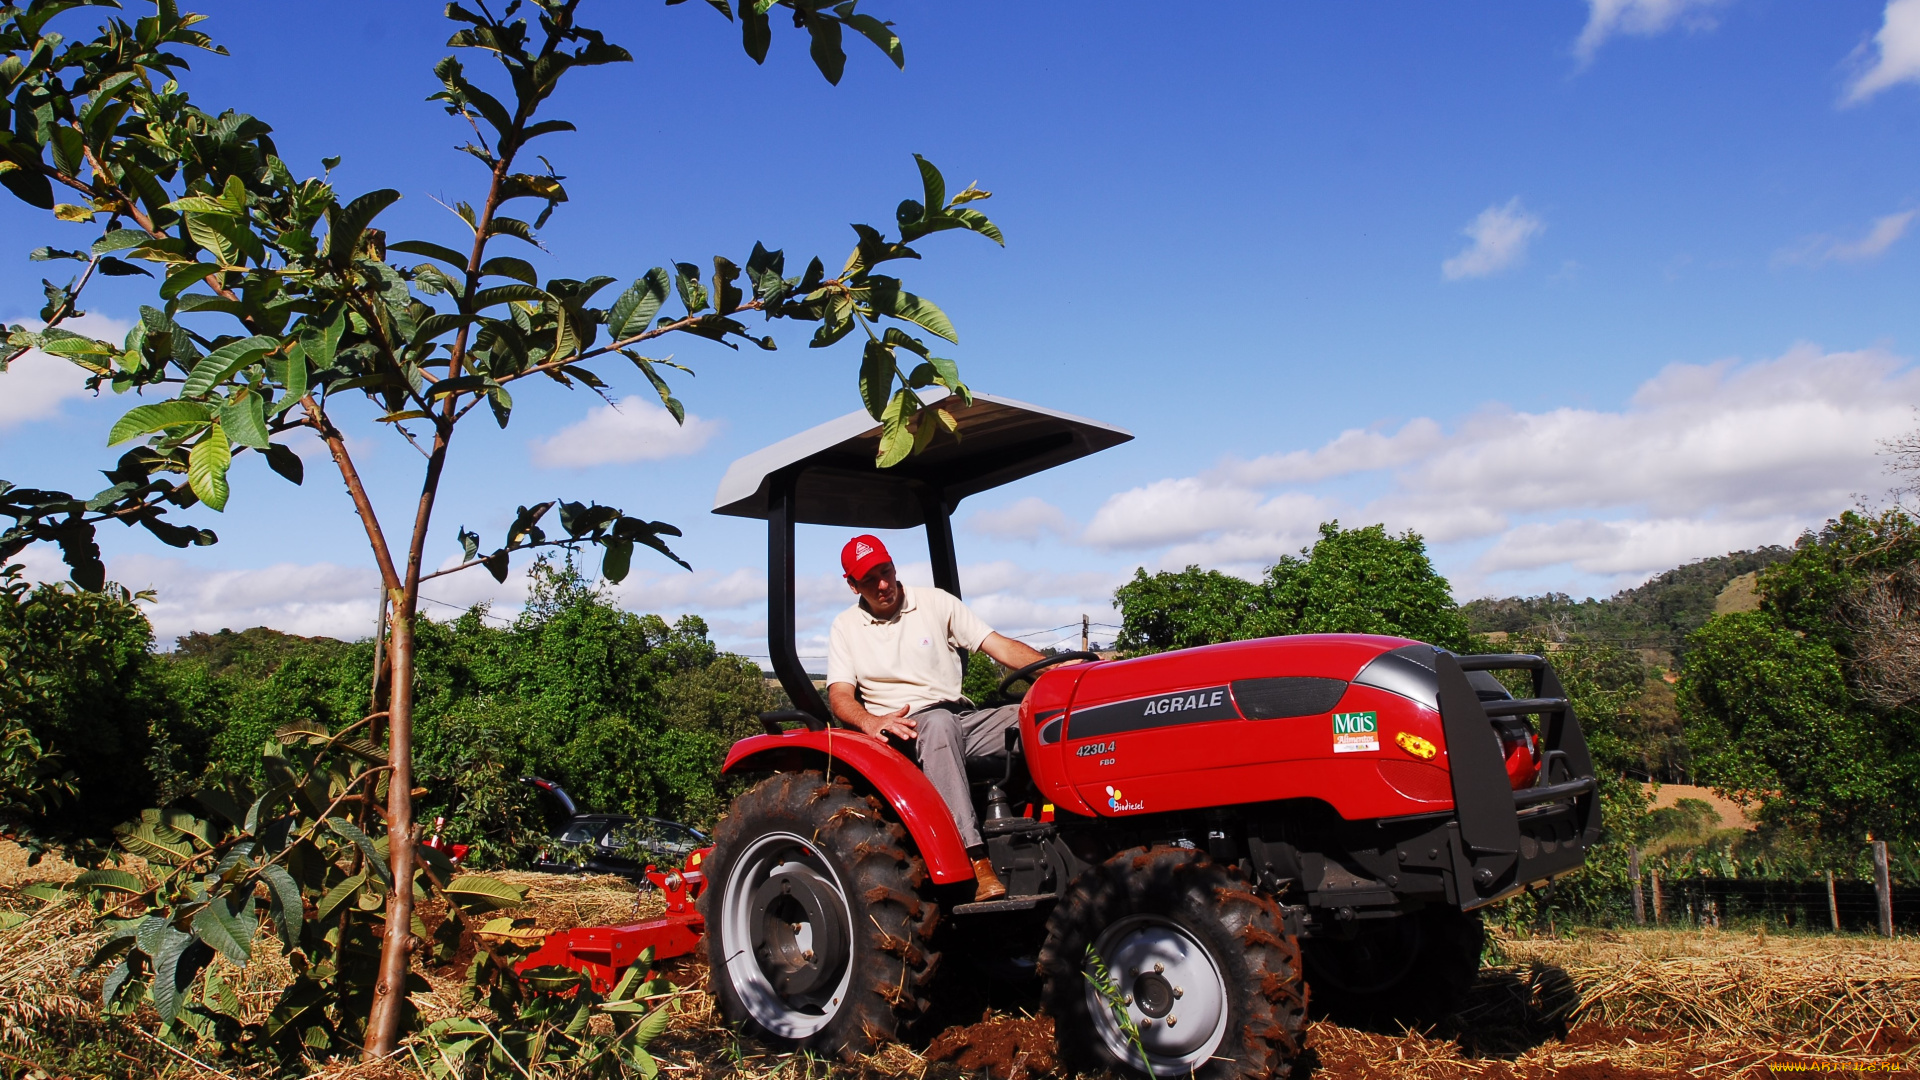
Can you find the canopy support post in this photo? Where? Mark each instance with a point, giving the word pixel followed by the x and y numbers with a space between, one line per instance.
pixel 784 655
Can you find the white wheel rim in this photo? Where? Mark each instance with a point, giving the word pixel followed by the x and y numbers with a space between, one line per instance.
pixel 783 853
pixel 1145 955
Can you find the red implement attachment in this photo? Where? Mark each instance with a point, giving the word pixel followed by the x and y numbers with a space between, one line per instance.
pixel 602 953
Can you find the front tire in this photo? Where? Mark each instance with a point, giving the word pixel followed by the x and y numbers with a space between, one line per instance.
pixel 818 928
pixel 1208 974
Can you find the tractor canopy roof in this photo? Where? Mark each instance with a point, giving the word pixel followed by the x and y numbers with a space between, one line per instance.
pixel 837 483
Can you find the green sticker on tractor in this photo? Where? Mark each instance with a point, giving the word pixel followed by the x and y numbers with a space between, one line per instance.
pixel 1355 731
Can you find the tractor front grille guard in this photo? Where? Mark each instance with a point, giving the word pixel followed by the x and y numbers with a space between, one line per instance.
pixel 1505 839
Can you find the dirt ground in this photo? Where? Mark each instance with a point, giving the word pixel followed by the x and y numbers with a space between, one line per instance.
pixel 1597 1005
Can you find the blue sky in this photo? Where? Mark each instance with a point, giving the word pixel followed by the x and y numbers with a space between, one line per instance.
pixel 1579 291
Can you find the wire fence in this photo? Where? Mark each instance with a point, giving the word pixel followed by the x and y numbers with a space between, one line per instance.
pixel 1817 905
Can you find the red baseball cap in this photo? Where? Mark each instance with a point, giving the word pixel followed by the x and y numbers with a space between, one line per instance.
pixel 863 553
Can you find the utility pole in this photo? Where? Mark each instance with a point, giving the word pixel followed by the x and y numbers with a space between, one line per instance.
pixel 1084 625
pixel 1883 887
pixel 1639 897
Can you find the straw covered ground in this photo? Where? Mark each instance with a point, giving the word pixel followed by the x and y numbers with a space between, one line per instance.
pixel 1594 1006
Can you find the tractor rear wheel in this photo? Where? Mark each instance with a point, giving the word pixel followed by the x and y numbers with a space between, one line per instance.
pixel 818 929
pixel 1202 967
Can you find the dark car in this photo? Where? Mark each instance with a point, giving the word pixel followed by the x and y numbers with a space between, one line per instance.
pixel 618 844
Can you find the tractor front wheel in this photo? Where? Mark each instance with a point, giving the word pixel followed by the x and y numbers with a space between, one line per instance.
pixel 817 929
pixel 1195 973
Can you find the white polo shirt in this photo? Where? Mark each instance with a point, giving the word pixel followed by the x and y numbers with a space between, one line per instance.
pixel 908 659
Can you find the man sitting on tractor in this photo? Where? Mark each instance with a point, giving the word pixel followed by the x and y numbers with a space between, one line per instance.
pixel 893 670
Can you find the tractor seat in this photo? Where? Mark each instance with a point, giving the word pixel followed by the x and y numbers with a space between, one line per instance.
pixel 982 770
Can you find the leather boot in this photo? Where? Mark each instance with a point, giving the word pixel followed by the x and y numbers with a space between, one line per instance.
pixel 989 887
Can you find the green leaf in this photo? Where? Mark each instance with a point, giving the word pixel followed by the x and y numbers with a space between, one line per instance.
pixel 634 311
pixel 288 910
pixel 756 33
pixel 477 892
pixel 119 240
pixel 431 250
pixel 660 387
pixel 207 465
pixel 510 267
pixel 169 978
pixel 182 276
pixel 877 32
pixel 977 222
pixel 283 460
pixel 216 926
pixel 222 363
pixel 345 225
pixel 896 441
pixel 321 341
pixel 144 419
pixel 686 278
pixel 514 227
pixel 932 183
pixel 32 188
pixel 825 48
pixel 338 895
pixel 501 294
pixel 552 979
pixel 347 830
pixel 888 298
pixel 244 420
pixel 618 560
pixel 117 880
pixel 876 378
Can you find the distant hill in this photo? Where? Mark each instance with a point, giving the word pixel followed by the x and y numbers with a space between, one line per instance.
pixel 256 653
pixel 1657 615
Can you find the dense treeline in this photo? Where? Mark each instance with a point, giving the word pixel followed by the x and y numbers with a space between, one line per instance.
pixel 627 712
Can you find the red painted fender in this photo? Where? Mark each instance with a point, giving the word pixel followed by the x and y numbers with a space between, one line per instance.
pixel 898 780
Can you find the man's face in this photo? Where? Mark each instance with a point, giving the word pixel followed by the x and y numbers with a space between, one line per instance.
pixel 880 589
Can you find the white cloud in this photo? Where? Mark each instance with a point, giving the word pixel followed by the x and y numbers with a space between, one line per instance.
pixel 1029 519
pixel 1705 458
pixel 1500 237
pixel 36 386
pixel 317 599
pixel 1881 235
pixel 1642 18
pixel 1896 53
pixel 632 429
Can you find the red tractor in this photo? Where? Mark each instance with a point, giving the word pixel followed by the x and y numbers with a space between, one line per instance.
pixel 1175 830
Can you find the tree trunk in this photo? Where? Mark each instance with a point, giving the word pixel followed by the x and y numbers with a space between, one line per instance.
pixel 396 949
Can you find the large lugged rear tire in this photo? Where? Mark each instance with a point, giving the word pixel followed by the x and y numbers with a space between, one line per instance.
pixel 818 927
pixel 1207 970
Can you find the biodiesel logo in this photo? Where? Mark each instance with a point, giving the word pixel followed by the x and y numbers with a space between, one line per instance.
pixel 1117 801
pixel 1355 731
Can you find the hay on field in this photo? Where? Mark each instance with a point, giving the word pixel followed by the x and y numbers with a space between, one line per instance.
pixel 39 961
pixel 564 901
pixel 1809 994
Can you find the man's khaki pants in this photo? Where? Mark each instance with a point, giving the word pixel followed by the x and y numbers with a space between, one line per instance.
pixel 946 739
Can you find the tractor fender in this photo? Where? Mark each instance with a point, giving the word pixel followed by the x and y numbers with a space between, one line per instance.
pixel 893 777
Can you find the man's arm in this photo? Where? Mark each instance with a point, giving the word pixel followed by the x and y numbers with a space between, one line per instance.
pixel 1012 654
pixel 848 710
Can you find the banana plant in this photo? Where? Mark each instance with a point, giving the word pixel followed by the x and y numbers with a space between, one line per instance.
pixel 277 300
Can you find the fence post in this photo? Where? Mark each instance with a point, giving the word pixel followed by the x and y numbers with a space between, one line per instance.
pixel 1659 912
pixel 1883 887
pixel 1833 903
pixel 1639 897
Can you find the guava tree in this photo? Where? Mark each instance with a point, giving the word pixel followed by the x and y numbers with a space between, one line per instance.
pixel 277 297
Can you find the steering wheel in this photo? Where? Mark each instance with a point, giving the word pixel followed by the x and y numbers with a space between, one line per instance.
pixel 1044 662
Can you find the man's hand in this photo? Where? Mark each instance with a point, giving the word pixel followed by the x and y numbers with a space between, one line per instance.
pixel 848 710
